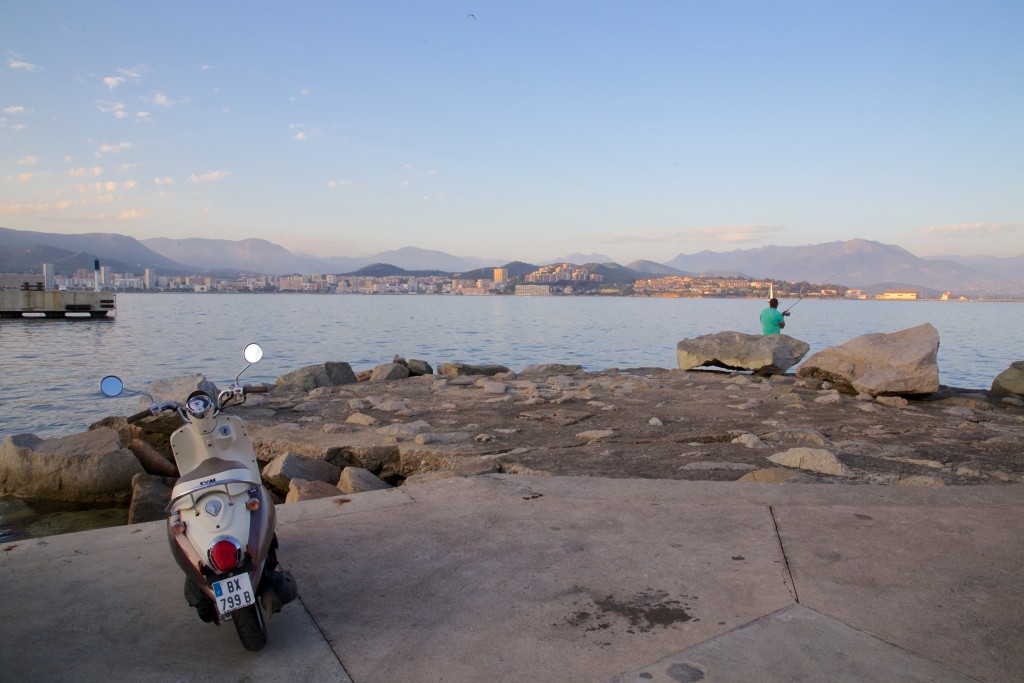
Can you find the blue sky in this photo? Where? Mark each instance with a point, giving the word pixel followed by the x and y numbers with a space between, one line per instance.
pixel 518 130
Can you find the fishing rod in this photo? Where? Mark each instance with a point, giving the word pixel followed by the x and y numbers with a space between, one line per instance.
pixel 833 277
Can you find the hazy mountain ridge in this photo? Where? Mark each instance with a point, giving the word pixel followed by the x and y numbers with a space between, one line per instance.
pixel 868 265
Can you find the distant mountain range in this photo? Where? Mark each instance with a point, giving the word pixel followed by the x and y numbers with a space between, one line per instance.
pixel 864 264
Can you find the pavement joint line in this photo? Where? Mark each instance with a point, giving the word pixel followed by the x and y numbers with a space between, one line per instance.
pixel 785 558
pixel 323 635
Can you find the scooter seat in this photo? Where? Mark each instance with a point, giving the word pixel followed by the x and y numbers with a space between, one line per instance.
pixel 213 474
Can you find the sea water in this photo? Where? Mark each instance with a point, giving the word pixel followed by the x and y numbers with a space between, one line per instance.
pixel 51 368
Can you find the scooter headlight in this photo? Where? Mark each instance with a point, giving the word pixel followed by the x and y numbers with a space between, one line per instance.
pixel 225 554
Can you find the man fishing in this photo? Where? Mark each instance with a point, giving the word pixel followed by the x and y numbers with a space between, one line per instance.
pixel 772 319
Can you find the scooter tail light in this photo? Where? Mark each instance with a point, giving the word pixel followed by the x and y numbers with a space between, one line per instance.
pixel 252 505
pixel 178 527
pixel 225 554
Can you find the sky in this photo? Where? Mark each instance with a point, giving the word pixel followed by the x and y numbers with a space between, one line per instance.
pixel 518 130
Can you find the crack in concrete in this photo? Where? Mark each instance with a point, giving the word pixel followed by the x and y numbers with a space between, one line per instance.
pixel 789 572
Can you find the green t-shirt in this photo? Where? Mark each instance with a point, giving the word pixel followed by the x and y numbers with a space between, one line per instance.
pixel 770 319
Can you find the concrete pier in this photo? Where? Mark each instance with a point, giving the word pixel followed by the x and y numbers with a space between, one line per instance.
pixel 583 579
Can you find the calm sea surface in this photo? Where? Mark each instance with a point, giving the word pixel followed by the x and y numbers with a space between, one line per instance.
pixel 51 369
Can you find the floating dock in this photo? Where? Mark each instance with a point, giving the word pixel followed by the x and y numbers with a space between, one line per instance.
pixel 34 302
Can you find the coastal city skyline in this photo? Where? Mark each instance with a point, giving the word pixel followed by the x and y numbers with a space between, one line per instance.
pixel 522 131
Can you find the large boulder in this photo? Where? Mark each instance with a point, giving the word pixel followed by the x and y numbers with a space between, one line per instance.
pixel 899 363
pixel 462 369
pixel 176 389
pixel 87 467
pixel 359 480
pixel 1010 381
pixel 282 469
pixel 770 354
pixel 389 371
pixel 311 377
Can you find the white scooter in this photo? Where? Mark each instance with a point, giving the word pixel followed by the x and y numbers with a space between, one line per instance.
pixel 220 519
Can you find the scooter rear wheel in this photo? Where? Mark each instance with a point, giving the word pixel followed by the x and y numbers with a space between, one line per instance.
pixel 251 625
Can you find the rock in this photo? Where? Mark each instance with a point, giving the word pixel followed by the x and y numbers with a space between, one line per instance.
pixel 655 422
pixel 312 376
pixel 775 475
pixel 750 441
pixel 558 416
pixel 152 460
pixel 881 364
pixel 176 389
pixel 358 480
pixel 812 460
pixel 87 467
pixel 551 369
pixel 361 419
pixel 892 401
pixel 596 434
pixel 459 369
pixel 494 387
pixel 1010 382
pixel 289 465
pixel 442 437
pixel 770 354
pixel 304 489
pixel 404 428
pixel 420 368
pixel 919 480
pixel 389 371
pixel 150 495
pixel 829 399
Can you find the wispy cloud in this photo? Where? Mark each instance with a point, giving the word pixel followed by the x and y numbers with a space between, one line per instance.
pixel 14 109
pixel 28 160
pixel 971 229
pixel 107 148
pixel 163 181
pixel 161 99
pixel 208 177
pixel 24 178
pixel 304 132
pixel 85 172
pixel 338 183
pixel 9 209
pixel 18 63
pixel 133 74
pixel 115 108
pixel 131 215
pixel 723 234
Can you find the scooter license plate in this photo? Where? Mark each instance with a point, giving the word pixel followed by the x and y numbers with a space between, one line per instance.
pixel 234 593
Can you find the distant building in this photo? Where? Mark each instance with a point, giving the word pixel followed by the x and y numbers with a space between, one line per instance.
pixel 500 276
pixel 898 295
pixel 48 275
pixel 533 290
pixel 149 278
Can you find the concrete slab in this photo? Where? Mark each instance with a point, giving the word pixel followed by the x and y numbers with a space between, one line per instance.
pixel 503 579
pixel 793 644
pixel 108 604
pixel 513 578
pixel 943 582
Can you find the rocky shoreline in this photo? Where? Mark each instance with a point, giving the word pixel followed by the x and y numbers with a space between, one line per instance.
pixel 324 431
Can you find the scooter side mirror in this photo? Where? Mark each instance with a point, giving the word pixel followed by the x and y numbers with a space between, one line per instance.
pixel 253 353
pixel 111 385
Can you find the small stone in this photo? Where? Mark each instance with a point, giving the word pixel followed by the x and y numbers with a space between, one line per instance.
pixel 361 419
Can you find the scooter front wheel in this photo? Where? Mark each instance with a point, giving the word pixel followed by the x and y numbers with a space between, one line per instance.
pixel 251 625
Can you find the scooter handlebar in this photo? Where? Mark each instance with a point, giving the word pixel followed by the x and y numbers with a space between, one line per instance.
pixel 141 415
pixel 256 389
